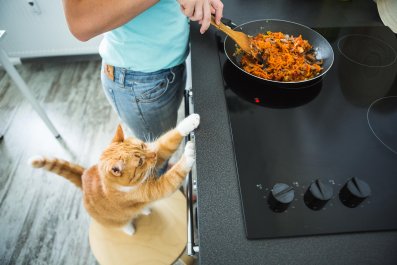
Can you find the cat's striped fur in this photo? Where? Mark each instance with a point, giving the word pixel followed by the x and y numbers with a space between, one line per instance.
pixel 66 169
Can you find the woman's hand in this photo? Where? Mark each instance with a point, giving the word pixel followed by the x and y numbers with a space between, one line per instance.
pixel 201 10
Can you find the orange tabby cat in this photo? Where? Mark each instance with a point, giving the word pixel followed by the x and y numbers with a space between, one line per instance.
pixel 123 183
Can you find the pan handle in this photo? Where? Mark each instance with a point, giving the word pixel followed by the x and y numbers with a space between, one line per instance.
pixel 228 22
pixel 224 22
pixel 220 36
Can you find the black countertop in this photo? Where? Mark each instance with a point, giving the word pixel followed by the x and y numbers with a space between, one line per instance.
pixel 220 218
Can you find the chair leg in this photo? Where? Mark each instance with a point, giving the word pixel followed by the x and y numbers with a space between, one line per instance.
pixel 10 69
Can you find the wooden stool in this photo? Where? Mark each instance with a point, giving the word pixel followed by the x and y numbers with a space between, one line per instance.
pixel 160 237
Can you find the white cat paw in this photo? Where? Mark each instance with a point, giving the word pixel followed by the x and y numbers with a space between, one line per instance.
pixel 146 211
pixel 190 154
pixel 188 124
pixel 129 229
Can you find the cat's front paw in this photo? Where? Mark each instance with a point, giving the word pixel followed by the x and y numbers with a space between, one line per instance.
pixel 190 154
pixel 188 124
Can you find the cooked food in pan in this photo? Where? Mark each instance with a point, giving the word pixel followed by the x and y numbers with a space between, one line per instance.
pixel 281 57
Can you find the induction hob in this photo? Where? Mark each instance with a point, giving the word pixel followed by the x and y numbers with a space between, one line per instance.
pixel 321 159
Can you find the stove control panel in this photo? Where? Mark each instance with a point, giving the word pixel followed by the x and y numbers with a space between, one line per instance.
pixel 318 194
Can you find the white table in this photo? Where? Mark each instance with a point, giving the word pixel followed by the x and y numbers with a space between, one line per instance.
pixel 10 69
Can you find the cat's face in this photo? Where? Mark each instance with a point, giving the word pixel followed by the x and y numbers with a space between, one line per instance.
pixel 127 162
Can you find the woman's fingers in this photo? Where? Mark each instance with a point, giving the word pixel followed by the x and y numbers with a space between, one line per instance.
pixel 198 10
pixel 217 5
pixel 187 7
pixel 206 21
pixel 201 10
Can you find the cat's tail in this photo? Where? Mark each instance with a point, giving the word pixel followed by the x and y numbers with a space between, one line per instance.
pixel 70 171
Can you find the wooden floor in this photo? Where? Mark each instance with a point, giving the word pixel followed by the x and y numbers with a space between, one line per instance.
pixel 42 219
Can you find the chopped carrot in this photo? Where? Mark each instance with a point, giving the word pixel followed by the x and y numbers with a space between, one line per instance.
pixel 281 57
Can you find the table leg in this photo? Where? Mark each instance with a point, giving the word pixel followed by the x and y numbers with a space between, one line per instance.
pixel 10 69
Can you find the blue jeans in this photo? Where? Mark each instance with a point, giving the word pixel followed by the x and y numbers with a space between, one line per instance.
pixel 146 102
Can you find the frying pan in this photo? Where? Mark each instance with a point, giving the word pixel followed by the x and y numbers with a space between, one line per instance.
pixel 320 45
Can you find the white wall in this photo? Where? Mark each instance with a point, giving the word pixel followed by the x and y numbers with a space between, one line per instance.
pixel 39 30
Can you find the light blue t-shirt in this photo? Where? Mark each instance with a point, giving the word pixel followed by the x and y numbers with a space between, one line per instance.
pixel 156 39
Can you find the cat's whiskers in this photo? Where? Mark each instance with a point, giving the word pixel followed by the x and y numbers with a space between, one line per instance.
pixel 147 138
pixel 152 147
pixel 153 170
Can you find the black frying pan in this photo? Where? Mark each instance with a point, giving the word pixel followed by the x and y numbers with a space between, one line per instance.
pixel 320 44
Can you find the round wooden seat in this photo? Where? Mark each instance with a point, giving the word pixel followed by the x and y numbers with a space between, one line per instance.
pixel 160 237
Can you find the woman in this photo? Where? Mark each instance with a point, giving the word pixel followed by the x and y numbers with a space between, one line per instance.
pixel 143 52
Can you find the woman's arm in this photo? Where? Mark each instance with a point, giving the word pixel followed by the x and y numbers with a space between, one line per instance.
pixel 89 18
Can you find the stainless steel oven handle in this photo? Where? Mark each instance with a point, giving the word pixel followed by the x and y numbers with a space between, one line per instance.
pixel 192 247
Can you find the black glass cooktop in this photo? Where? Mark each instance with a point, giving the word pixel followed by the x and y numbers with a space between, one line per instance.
pixel 320 159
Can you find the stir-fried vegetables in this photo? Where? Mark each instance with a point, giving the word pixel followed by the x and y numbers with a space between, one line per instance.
pixel 281 57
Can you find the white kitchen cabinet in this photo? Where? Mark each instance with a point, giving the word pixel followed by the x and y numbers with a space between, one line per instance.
pixel 38 28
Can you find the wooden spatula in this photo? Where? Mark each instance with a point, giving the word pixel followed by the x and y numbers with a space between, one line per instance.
pixel 240 38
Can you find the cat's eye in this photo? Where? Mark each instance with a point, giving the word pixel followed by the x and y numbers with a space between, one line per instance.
pixel 140 163
pixel 116 171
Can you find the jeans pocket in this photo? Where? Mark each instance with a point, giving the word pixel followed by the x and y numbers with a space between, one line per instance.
pixel 152 91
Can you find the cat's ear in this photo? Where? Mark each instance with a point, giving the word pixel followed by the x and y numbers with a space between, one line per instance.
pixel 119 135
pixel 117 169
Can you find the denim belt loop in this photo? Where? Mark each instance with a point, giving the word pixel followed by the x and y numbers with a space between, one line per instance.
pixel 122 76
pixel 173 76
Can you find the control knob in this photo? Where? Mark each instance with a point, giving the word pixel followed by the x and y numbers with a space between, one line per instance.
pixel 280 197
pixel 318 194
pixel 354 192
